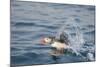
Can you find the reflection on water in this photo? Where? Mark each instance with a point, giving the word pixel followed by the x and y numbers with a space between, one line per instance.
pixel 55 59
pixel 31 21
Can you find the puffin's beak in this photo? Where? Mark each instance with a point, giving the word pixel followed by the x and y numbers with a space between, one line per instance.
pixel 43 41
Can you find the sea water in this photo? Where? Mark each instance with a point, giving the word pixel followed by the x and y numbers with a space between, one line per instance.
pixel 32 21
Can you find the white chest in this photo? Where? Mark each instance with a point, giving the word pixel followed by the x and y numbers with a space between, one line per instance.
pixel 59 45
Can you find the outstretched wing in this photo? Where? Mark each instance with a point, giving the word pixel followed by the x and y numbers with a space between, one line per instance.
pixel 64 38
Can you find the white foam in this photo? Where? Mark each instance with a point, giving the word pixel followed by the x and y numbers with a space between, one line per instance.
pixel 90 56
pixel 77 42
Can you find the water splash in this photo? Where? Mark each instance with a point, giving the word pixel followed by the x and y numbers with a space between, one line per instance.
pixel 78 39
pixel 90 57
pixel 77 42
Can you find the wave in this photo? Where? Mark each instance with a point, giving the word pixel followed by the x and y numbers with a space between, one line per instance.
pixel 24 24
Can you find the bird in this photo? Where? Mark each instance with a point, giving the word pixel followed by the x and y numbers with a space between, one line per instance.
pixel 59 44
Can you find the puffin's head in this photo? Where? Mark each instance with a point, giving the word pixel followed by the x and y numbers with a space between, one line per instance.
pixel 47 40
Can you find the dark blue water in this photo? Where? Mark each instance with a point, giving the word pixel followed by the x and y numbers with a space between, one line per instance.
pixel 31 21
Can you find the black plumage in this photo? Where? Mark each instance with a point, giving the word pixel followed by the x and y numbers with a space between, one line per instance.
pixel 63 38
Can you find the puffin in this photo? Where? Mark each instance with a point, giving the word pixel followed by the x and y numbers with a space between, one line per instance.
pixel 59 44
